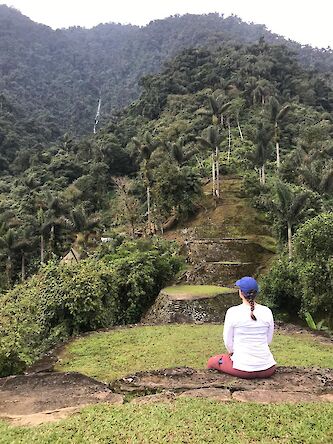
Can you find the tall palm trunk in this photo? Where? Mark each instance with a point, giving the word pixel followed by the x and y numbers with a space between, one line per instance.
pixel 276 135
pixel 148 210
pixel 42 248
pixel 290 250
pixel 52 236
pixel 217 163
pixel 213 174
pixel 239 129
pixel 23 267
pixel 229 139
pixel 263 178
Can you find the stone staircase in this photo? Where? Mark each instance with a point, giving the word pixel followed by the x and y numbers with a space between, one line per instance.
pixel 226 240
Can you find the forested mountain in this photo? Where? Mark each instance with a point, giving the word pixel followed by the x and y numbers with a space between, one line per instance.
pixel 250 109
pixel 250 102
pixel 58 76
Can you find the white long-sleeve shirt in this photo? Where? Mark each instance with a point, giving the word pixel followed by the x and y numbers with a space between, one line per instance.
pixel 248 339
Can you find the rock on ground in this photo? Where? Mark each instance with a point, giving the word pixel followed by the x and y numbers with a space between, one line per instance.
pixel 44 397
pixel 172 309
pixel 289 384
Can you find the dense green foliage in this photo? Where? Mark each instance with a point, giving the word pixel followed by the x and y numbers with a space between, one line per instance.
pixel 249 96
pixel 61 300
pixel 243 106
pixel 304 284
pixel 59 75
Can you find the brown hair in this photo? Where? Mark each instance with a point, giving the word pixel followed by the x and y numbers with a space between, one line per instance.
pixel 249 296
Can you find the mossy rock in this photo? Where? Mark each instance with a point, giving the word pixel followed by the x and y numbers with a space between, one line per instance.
pixel 191 304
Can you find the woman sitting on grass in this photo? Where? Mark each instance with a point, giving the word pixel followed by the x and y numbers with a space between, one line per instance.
pixel 248 329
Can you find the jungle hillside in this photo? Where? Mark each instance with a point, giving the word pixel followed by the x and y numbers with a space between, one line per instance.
pixel 186 102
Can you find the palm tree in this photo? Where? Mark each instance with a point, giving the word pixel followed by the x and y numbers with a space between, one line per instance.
pixel 217 110
pixel 262 91
pixel 263 138
pixel 146 148
pixel 51 220
pixel 127 205
pixel 42 228
pixel 12 244
pixel 318 177
pixel 22 244
pixel 278 112
pixel 7 243
pixel 213 142
pixel 177 151
pixel 238 105
pixel 288 206
pixel 83 225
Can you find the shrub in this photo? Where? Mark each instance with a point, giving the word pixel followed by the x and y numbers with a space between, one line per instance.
pixel 280 289
pixel 62 300
pixel 305 284
pixel 314 239
pixel 314 252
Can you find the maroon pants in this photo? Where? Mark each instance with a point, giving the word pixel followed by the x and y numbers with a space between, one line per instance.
pixel 223 364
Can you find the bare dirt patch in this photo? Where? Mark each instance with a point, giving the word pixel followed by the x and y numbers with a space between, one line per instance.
pixel 44 397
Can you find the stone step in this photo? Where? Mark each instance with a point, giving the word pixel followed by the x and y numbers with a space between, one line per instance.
pixel 229 263
pixel 219 273
pixel 218 240
pixel 222 251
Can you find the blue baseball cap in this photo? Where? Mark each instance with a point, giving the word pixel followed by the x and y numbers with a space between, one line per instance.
pixel 247 283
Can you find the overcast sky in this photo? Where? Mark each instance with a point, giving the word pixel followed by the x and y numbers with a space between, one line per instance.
pixel 305 21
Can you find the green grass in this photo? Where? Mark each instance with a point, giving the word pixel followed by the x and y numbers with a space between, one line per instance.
pixel 267 242
pixel 185 421
pixel 197 290
pixel 111 355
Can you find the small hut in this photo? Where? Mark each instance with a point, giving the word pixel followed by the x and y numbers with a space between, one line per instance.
pixel 73 256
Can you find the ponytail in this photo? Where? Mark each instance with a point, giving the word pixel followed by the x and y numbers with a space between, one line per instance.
pixel 250 298
pixel 251 301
